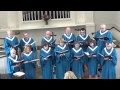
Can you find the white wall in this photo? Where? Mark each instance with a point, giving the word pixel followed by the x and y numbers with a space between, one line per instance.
pixel 105 17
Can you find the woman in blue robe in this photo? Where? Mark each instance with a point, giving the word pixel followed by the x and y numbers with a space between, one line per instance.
pixel 27 41
pixel 62 55
pixel 28 67
pixel 69 38
pixel 46 60
pixel 77 61
pixel 93 50
pixel 48 39
pixel 10 41
pixel 11 66
pixel 109 63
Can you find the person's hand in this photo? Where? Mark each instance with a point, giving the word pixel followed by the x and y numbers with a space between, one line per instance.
pixel 110 59
pixel 106 58
pixel 16 65
pixel 62 54
pixel 46 58
pixel 89 56
pixel 94 56
pixel 101 39
pixel 78 58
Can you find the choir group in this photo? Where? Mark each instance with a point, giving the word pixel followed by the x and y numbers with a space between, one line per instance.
pixel 70 54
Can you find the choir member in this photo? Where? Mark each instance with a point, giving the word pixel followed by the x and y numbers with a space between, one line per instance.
pixel 109 61
pixel 84 39
pixel 13 67
pixel 28 67
pixel 27 41
pixel 69 38
pixel 102 36
pixel 10 41
pixel 77 60
pixel 49 39
pixel 93 52
pixel 46 59
pixel 63 59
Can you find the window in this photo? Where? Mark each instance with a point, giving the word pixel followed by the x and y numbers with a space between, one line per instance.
pixel 38 15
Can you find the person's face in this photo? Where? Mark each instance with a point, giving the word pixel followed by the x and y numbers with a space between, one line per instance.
pixel 26 35
pixel 61 43
pixel 46 47
pixel 82 32
pixel 77 45
pixel 68 31
pixel 92 44
pixel 108 46
pixel 102 28
pixel 28 49
pixel 13 54
pixel 9 33
pixel 48 35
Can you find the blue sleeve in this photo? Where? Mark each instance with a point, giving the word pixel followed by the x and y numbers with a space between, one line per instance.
pixel 102 58
pixel 22 65
pixel 71 55
pixel 42 61
pixel 42 42
pixel 110 36
pixel 74 38
pixel 78 38
pixel 67 55
pixel 17 42
pixel 114 60
pixel 7 47
pixel 57 56
pixel 34 64
pixel 88 38
pixel 53 57
pixel 33 46
pixel 21 45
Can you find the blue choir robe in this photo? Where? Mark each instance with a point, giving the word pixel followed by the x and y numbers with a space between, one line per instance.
pixel 85 38
pixel 46 65
pixel 77 65
pixel 68 38
pixel 10 42
pixel 109 66
pixel 24 42
pixel 50 40
pixel 102 44
pixel 29 68
pixel 93 61
pixel 62 62
pixel 11 66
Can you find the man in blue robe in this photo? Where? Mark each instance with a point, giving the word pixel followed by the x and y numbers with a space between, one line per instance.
pixel 84 40
pixel 103 32
pixel 46 59
pixel 48 39
pixel 62 55
pixel 69 38
pixel 10 41
pixel 108 62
